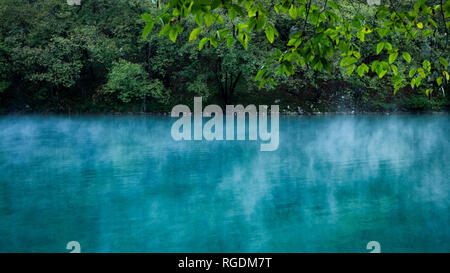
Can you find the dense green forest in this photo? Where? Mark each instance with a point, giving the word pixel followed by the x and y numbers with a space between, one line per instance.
pixel 92 58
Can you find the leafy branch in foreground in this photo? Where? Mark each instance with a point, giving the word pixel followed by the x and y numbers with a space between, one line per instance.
pixel 326 31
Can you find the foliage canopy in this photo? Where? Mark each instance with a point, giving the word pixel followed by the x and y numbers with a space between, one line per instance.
pixel 325 31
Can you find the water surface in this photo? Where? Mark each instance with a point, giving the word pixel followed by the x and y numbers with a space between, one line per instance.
pixel 121 184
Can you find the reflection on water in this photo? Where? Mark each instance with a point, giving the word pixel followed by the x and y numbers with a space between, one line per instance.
pixel 121 184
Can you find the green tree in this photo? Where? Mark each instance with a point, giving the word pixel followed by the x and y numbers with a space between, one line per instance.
pixel 334 33
pixel 129 81
pixel 55 57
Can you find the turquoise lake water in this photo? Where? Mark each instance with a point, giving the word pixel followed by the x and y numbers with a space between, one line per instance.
pixel 121 184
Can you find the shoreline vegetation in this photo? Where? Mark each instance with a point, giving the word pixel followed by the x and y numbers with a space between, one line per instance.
pixel 92 58
pixel 281 113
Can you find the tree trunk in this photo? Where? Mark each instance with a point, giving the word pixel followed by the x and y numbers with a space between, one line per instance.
pixel 144 104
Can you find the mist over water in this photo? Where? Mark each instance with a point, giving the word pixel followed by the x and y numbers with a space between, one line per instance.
pixel 122 184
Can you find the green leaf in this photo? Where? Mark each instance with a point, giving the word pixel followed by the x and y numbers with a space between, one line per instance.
pixel 293 12
pixel 382 69
pixel 421 72
pixel 383 32
pixel 232 13
pixel 407 57
pixel 251 10
pixel 243 38
pixel 427 33
pixel 428 92
pixel 439 81
pixel 333 5
pixel 251 23
pixel 221 34
pixel 230 41
pixel 363 68
pixel 202 43
pixel 218 19
pixel 261 83
pixel 350 69
pixel 392 57
pixel 318 65
pixel 388 46
pixel 199 18
pixel 360 35
pixel 420 25
pixel 195 33
pixel 348 61
pixel 148 27
pixel 173 35
pixel 397 85
pixel 427 65
pixel 356 22
pixel 213 41
pixel 432 22
pixel 165 30
pixel 176 12
pixel 380 47
pixel 208 19
pixel 412 72
pixel 215 4
pixel 270 33
pixel 443 62
pixel 418 81
pixel 260 74
pixel 147 17
pixel 382 12
pixel 261 22
pixel 446 75
pixel 291 42
pixel 413 83
pixel 394 69
pixel 295 40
